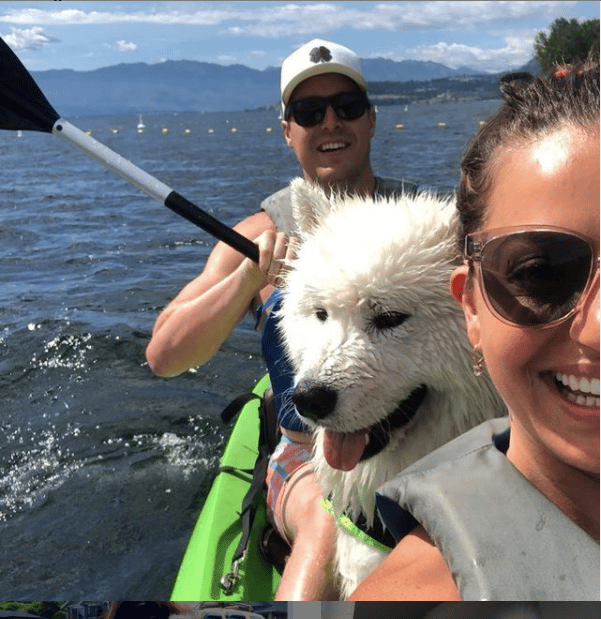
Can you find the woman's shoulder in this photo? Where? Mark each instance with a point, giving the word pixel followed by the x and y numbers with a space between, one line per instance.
pixel 414 571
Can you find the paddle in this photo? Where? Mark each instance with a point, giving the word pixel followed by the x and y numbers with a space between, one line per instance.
pixel 24 106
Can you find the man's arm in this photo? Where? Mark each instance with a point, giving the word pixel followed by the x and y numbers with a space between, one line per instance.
pixel 190 330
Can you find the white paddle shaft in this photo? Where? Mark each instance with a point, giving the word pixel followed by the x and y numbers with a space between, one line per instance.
pixel 111 160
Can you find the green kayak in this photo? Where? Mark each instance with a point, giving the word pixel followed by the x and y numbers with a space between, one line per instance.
pixel 209 558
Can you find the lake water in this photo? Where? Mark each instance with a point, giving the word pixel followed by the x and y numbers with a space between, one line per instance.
pixel 104 467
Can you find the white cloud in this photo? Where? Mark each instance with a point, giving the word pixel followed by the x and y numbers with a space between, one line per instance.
pixel 227 59
pixel 307 19
pixel 70 17
pixel 446 15
pixel 31 38
pixel 125 46
pixel 314 18
pixel 517 51
pixel 276 20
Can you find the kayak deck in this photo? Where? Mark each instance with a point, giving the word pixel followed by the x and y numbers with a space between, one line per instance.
pixel 218 530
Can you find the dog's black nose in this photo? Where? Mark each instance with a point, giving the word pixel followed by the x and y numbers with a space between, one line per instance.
pixel 314 401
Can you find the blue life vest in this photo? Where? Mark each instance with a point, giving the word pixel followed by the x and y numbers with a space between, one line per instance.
pixel 278 366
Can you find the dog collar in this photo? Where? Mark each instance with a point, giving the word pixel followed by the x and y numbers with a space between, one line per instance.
pixel 379 434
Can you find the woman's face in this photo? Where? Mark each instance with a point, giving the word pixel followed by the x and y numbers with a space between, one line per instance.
pixel 554 182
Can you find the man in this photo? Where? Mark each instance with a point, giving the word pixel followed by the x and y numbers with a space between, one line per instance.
pixel 328 121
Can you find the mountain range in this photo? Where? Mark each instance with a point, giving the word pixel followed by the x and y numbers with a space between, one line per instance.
pixel 185 85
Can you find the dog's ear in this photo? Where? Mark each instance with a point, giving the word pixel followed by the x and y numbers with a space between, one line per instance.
pixel 309 205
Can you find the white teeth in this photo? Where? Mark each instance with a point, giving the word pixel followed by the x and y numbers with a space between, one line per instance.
pixel 582 401
pixel 332 146
pixel 587 388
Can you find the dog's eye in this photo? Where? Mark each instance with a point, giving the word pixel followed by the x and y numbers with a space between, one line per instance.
pixel 388 320
pixel 321 314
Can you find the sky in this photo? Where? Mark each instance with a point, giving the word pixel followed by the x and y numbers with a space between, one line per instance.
pixel 487 36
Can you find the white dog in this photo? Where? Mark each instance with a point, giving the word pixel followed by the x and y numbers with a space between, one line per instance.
pixel 382 363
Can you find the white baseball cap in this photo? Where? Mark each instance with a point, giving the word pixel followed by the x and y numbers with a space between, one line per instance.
pixel 317 57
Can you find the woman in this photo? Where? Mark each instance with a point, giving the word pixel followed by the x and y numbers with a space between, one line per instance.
pixel 516 515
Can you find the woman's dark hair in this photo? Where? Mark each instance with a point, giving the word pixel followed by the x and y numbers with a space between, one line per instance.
pixel 534 106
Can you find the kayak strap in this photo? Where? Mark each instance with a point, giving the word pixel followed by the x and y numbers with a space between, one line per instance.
pixel 234 470
pixel 249 504
pixel 236 405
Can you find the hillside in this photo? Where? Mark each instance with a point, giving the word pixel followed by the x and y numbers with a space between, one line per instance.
pixel 185 85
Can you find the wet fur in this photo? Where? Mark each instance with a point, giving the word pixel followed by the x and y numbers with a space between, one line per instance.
pixel 357 258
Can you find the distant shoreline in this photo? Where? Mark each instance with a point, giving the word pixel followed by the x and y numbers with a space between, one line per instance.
pixel 184 86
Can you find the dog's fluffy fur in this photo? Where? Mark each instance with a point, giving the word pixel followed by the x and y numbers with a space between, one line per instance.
pixel 367 318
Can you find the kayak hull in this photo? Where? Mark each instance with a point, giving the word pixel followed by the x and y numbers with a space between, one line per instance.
pixel 218 529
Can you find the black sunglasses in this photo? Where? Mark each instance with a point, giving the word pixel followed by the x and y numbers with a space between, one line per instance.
pixel 312 110
pixel 533 276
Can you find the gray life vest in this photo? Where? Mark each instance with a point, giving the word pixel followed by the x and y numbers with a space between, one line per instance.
pixel 279 205
pixel 501 538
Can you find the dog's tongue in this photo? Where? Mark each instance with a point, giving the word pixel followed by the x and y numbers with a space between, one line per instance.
pixel 343 450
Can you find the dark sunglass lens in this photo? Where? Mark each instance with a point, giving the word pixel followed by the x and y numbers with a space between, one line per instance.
pixel 311 111
pixel 535 278
pixel 308 112
pixel 350 106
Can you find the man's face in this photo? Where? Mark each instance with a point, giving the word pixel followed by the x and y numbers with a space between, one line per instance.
pixel 335 152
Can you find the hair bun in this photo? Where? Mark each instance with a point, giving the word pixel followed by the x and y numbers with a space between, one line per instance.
pixel 511 84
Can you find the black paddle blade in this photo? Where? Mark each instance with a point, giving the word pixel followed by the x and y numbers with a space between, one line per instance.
pixel 22 103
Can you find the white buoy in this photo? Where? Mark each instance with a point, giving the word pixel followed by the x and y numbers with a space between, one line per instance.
pixel 187 131
pixel 269 130
pixel 442 125
pixel 164 130
pixel 234 129
pixel 211 130
pixel 141 126
pixel 115 130
pixel 399 126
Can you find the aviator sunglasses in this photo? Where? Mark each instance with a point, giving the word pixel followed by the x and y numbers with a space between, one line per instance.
pixel 312 110
pixel 532 276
